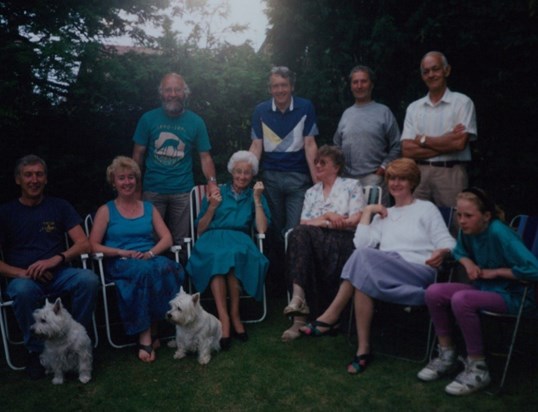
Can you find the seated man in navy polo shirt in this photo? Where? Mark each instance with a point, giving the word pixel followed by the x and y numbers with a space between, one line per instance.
pixel 32 235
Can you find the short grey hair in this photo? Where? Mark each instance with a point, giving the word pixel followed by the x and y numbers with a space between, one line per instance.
pixel 284 72
pixel 28 160
pixel 444 60
pixel 365 69
pixel 177 76
pixel 244 156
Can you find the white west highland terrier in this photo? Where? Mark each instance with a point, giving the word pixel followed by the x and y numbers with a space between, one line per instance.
pixel 196 330
pixel 67 344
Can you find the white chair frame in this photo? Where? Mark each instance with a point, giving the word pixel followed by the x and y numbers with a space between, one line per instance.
pixel 197 195
pixel 97 259
pixel 4 326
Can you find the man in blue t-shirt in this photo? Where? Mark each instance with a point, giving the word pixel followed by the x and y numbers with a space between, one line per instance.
pixel 284 129
pixel 32 236
pixel 164 142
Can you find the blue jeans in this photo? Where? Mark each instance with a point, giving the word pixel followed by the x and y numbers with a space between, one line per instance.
pixel 285 194
pixel 27 295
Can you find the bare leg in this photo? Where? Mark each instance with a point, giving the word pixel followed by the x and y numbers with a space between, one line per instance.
pixel 364 311
pixel 155 342
pixel 218 288
pixel 234 289
pixel 332 314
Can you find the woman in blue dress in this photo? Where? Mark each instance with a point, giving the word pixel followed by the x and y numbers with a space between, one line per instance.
pixel 225 257
pixel 131 234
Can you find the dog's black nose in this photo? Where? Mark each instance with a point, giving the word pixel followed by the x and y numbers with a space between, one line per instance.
pixel 169 316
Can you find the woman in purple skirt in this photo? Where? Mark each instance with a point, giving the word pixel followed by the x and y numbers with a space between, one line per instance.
pixel 397 252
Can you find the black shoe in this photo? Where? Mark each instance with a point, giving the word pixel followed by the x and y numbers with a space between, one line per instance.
pixel 34 369
pixel 225 343
pixel 243 337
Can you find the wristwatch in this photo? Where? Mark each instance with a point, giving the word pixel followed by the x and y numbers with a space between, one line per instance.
pixel 212 179
pixel 422 140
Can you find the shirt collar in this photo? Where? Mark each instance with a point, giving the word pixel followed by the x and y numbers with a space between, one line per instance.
pixel 274 108
pixel 447 98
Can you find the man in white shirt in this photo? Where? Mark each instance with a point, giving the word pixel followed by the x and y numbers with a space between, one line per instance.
pixel 437 131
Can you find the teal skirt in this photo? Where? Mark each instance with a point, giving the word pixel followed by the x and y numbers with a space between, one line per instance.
pixel 220 250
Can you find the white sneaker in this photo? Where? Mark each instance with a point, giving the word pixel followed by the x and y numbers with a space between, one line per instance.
pixel 440 366
pixel 473 378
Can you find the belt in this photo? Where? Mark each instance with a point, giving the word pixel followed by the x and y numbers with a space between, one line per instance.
pixel 448 163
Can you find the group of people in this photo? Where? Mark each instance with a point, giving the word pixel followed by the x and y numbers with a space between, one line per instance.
pixel 338 248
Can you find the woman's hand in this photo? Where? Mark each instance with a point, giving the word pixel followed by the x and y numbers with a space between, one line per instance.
pixel 437 257
pixel 335 220
pixel 130 254
pixel 215 199
pixel 473 271
pixel 258 190
pixel 377 209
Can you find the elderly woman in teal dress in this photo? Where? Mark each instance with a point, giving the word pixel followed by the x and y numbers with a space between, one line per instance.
pixel 225 256
pixel 131 234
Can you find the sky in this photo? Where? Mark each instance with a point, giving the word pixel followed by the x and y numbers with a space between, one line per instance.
pixel 248 12
pixel 241 12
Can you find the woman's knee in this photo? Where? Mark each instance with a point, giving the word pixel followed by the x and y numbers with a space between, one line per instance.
pixel 463 301
pixel 434 294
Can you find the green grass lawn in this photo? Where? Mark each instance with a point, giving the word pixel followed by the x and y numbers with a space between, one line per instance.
pixel 260 375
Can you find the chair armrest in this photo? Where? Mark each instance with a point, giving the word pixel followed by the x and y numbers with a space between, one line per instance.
pixel 98 256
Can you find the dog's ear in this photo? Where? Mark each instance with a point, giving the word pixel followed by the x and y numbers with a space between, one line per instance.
pixel 57 306
pixel 181 291
pixel 196 298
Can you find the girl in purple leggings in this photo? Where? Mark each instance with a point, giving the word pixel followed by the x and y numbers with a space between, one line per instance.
pixel 494 258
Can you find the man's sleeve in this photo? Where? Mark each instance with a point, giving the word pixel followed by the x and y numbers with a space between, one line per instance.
pixel 256 131
pixel 393 138
pixel 467 117
pixel 409 129
pixel 202 138
pixel 142 132
pixel 310 126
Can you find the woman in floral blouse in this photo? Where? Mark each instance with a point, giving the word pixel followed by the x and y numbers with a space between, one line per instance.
pixel 321 244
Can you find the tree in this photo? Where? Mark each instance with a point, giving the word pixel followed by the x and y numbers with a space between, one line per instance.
pixel 491 47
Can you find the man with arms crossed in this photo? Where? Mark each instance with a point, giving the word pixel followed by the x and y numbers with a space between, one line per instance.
pixel 437 131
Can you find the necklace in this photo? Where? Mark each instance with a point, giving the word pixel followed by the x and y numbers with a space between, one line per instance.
pixel 127 209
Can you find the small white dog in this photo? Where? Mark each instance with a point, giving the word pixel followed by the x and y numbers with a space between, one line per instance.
pixel 67 344
pixel 196 330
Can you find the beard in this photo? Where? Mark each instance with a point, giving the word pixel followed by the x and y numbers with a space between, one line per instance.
pixel 173 107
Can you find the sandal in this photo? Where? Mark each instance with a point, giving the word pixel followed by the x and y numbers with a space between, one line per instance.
pixel 359 363
pixel 312 329
pixel 148 349
pixel 293 332
pixel 297 308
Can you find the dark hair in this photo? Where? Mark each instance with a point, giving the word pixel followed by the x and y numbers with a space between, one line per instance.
pixel 27 160
pixel 335 154
pixel 365 69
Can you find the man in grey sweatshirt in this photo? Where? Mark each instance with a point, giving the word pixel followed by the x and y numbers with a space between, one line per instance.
pixel 367 133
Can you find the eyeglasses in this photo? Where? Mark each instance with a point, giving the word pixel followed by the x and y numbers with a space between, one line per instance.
pixel 245 172
pixel 321 162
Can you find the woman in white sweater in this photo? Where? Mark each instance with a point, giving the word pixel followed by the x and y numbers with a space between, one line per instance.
pixel 397 252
